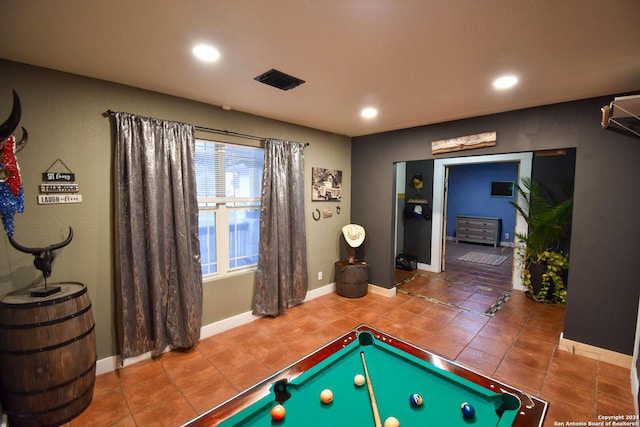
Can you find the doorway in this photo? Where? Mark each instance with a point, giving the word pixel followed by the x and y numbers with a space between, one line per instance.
pixel 439 205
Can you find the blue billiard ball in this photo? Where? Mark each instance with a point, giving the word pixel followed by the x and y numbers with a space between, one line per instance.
pixel 415 400
pixel 468 411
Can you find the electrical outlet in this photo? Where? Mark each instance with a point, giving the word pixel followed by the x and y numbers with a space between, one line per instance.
pixel 506 236
pixel 319 275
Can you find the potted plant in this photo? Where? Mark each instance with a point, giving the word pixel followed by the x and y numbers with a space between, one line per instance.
pixel 541 253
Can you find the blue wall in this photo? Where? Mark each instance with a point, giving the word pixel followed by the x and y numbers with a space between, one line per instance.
pixel 470 194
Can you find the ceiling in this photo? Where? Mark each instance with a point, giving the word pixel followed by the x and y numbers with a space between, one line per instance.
pixel 417 61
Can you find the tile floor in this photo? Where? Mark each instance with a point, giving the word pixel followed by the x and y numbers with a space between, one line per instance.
pixel 517 346
pixel 478 274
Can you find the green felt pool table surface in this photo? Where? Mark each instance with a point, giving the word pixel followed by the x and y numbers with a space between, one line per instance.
pixel 396 370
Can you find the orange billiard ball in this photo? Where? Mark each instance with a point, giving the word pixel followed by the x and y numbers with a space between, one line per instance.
pixel 326 396
pixel 277 412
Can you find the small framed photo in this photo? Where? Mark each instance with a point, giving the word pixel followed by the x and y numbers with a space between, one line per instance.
pixel 326 185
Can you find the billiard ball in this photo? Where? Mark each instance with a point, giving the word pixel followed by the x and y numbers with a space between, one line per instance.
pixel 415 400
pixel 391 422
pixel 359 380
pixel 326 396
pixel 468 411
pixel 277 412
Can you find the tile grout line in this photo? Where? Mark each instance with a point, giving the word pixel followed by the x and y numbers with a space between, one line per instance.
pixel 512 344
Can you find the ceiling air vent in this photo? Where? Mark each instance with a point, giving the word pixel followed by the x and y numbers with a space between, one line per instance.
pixel 279 79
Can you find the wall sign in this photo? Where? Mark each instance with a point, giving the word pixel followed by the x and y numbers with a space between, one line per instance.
pixel 58 176
pixel 59 188
pixel 62 193
pixel 56 199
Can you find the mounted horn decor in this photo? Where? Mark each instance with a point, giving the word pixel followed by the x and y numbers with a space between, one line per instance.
pixel 12 197
pixel 43 260
pixel 7 128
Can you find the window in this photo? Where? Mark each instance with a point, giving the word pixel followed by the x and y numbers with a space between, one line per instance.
pixel 229 180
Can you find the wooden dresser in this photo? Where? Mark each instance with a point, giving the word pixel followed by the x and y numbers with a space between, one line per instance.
pixel 478 229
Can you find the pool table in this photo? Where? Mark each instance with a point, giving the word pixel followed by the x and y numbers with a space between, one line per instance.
pixel 395 369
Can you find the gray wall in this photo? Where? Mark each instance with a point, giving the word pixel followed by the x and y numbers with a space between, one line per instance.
pixel 603 284
pixel 63 114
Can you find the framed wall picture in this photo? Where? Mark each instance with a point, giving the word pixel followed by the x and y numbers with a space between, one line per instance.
pixel 326 184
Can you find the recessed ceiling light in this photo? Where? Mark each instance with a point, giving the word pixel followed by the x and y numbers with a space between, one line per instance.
pixel 369 112
pixel 505 82
pixel 206 53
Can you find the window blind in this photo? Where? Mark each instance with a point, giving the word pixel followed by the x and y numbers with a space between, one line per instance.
pixel 228 173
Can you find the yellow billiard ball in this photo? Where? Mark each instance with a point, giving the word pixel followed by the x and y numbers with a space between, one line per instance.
pixel 391 422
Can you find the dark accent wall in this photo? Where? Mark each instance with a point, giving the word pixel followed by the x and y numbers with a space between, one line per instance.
pixel 605 245
pixel 417 228
pixel 556 174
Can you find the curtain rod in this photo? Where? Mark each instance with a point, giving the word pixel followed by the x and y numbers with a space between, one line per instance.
pixel 228 133
pixel 220 131
pixel 237 134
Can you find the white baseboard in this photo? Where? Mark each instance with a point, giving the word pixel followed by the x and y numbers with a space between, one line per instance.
pixel 597 353
pixel 634 387
pixel 318 292
pixel 635 381
pixel 379 290
pixel 111 363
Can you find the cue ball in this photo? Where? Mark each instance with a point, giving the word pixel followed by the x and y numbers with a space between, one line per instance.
pixel 277 413
pixel 326 396
pixel 359 380
pixel 468 411
pixel 391 422
pixel 415 400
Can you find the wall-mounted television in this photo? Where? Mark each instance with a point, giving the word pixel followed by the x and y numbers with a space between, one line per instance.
pixel 502 188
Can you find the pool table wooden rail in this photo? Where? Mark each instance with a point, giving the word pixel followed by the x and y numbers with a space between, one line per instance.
pixel 532 412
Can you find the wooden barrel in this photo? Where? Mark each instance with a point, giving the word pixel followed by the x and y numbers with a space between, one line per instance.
pixel 47 355
pixel 352 280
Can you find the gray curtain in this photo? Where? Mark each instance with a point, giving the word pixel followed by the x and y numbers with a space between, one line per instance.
pixel 159 275
pixel 281 280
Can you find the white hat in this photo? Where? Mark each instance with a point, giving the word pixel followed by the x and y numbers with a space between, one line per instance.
pixel 353 234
